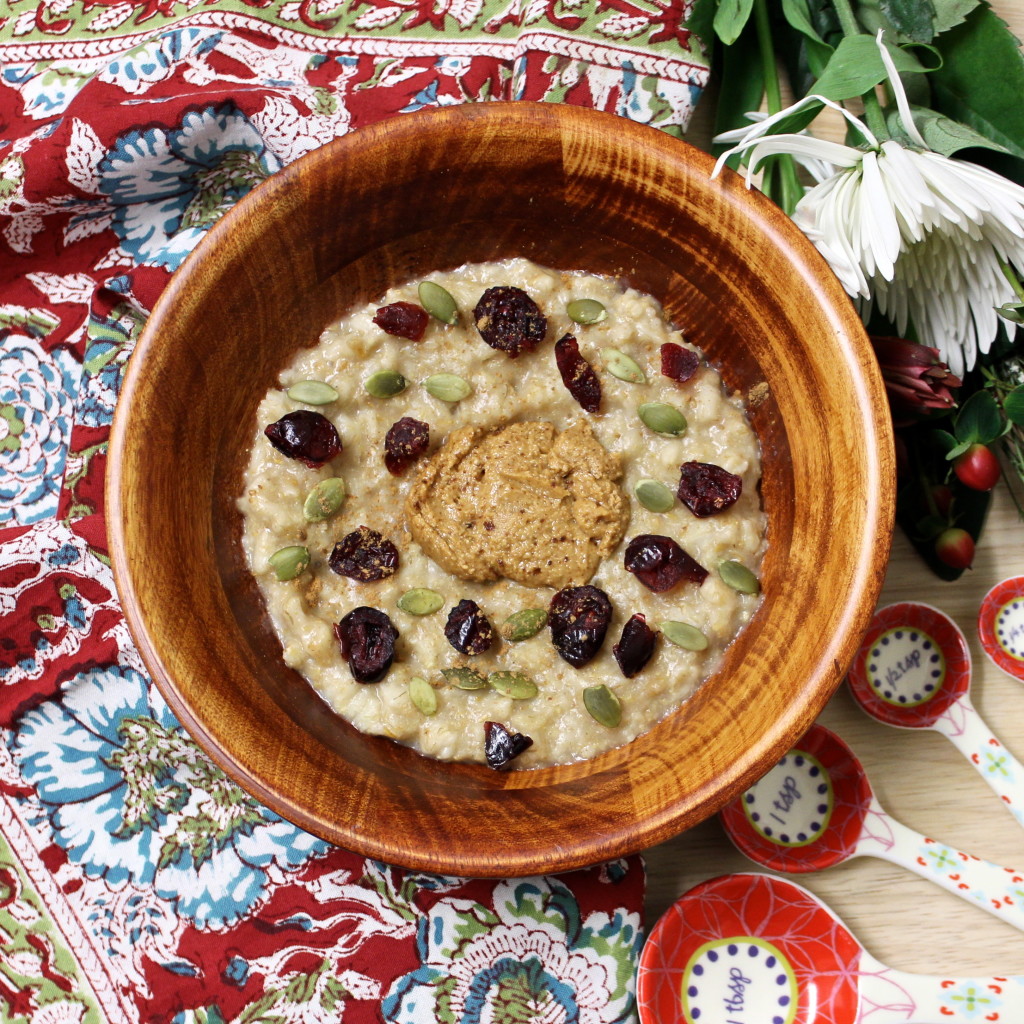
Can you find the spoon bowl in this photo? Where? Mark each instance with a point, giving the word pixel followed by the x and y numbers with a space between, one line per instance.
pixel 816 809
pixel 913 671
pixel 747 947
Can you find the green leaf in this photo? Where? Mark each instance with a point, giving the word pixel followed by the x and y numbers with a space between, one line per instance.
pixel 914 19
pixel 979 419
pixel 944 441
pixel 730 18
pixel 1012 311
pixel 1013 405
pixel 941 133
pixel 981 80
pixel 816 51
pixel 950 13
pixel 857 66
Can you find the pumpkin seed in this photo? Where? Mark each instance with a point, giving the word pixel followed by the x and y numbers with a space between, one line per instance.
pixel 289 562
pixel 464 678
pixel 423 695
pixel 662 418
pixel 324 500
pixel 738 576
pixel 603 705
pixel 312 392
pixel 385 384
pixel 524 624
pixel 438 302
pixel 654 495
pixel 513 684
pixel 586 311
pixel 682 634
pixel 618 364
pixel 420 601
pixel 447 387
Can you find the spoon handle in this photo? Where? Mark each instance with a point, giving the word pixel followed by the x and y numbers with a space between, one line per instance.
pixel 998 890
pixel 889 996
pixel 966 730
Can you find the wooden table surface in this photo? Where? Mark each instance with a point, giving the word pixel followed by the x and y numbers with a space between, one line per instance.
pixel 918 777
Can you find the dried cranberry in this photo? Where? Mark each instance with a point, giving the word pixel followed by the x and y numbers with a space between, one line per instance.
pixel 706 489
pixel 659 563
pixel 578 375
pixel 367 638
pixel 579 618
pixel 468 629
pixel 635 646
pixel 305 435
pixel 402 320
pixel 509 320
pixel 501 746
pixel 405 442
pixel 678 363
pixel 364 555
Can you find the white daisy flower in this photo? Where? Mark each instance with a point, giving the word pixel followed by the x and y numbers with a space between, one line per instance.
pixel 920 236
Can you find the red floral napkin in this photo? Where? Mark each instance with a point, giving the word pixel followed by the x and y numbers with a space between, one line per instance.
pixel 136 882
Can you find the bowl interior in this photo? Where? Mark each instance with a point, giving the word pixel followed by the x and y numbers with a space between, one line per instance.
pixel 571 189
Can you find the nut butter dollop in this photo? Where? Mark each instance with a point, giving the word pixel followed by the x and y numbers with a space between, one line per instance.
pixel 522 501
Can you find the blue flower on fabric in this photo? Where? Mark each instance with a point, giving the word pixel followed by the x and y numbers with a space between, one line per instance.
pixel 135 801
pixel 531 959
pixel 168 186
pixel 37 397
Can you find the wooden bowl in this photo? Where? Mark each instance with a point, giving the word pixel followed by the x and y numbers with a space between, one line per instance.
pixel 571 189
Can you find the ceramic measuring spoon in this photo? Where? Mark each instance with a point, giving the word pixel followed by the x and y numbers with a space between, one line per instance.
pixel 913 670
pixel 816 809
pixel 754 949
pixel 1001 626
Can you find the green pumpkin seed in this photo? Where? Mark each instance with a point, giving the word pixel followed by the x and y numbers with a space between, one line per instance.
pixel 312 392
pixel 682 634
pixel 618 364
pixel 586 311
pixel 524 624
pixel 662 418
pixel 324 500
pixel 513 684
pixel 423 695
pixel 739 577
pixel 447 387
pixel 420 601
pixel 289 562
pixel 603 705
pixel 654 495
pixel 385 384
pixel 464 678
pixel 438 302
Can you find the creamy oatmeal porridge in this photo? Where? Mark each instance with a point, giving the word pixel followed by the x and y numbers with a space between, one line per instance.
pixel 521 494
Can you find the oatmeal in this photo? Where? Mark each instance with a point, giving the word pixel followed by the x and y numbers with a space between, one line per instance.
pixel 475 482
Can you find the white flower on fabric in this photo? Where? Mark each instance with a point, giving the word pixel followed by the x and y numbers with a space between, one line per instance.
pixel 920 236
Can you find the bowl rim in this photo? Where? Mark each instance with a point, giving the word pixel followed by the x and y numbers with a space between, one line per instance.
pixel 657 824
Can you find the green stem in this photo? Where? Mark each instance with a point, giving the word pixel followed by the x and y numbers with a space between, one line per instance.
pixel 1011 275
pixel 780 177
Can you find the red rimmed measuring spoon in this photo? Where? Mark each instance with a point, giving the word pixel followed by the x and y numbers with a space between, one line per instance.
pixel 816 809
pixel 747 947
pixel 1001 626
pixel 913 671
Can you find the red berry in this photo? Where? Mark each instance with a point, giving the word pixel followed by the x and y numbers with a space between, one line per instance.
pixel 977 468
pixel 955 547
pixel 943 498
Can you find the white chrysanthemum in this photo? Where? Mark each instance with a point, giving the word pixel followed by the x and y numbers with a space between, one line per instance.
pixel 920 236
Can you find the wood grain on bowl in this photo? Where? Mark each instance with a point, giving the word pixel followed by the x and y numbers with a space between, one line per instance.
pixel 571 189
